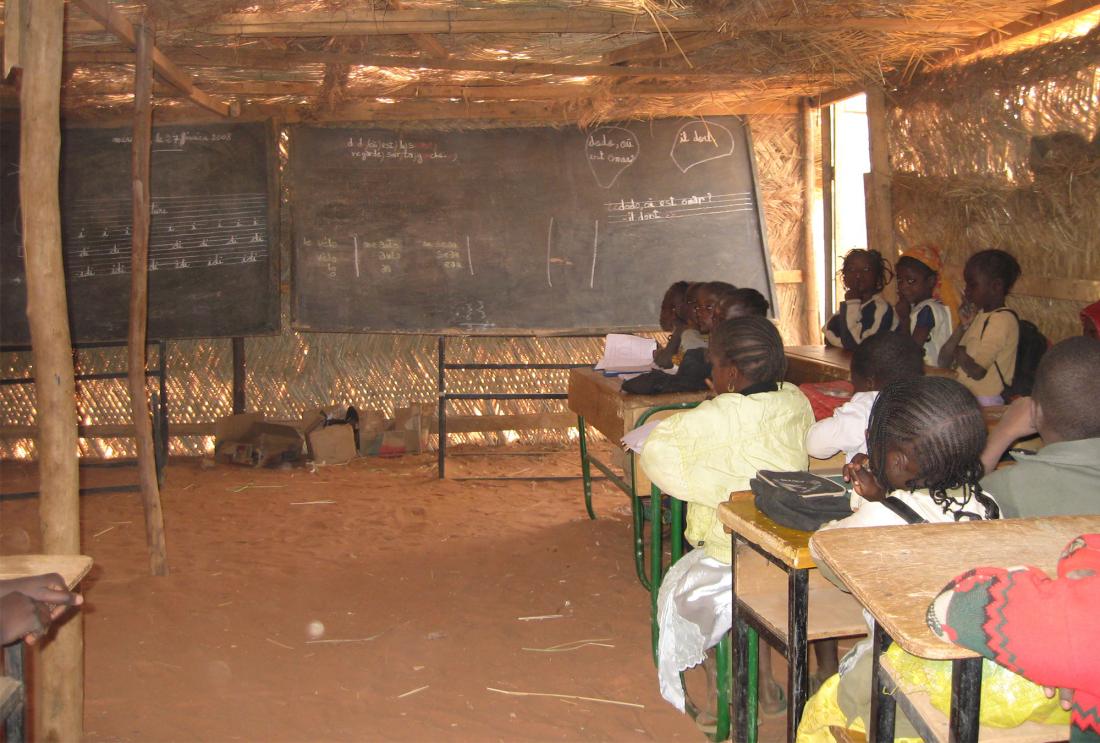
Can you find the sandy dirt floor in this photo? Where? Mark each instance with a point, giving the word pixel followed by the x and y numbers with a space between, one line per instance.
pixel 369 601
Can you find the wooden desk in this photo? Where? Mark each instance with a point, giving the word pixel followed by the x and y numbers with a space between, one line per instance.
pixel 599 401
pixel 790 620
pixel 72 569
pixel 896 571
pixel 827 364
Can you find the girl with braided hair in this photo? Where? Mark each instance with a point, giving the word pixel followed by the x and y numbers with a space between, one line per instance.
pixel 924 442
pixel 756 421
pixel 865 312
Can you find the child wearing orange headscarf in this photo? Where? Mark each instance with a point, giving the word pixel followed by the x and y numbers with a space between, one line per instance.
pixel 922 314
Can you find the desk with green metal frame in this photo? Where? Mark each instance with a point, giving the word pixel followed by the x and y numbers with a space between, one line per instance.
pixel 807 614
pixel 600 402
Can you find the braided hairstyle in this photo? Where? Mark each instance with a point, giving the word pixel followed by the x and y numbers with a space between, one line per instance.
pixel 880 267
pixel 753 345
pixel 996 264
pixel 943 423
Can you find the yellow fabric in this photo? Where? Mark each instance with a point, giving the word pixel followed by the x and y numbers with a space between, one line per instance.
pixel 1008 700
pixel 996 345
pixel 703 454
pixel 822 712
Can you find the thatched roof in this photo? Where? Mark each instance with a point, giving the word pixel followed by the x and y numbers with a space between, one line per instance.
pixel 521 60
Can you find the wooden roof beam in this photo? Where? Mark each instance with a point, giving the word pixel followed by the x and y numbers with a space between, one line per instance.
pixel 345 23
pixel 420 21
pixel 1049 16
pixel 1032 22
pixel 427 42
pixel 218 57
pixel 120 26
pixel 665 47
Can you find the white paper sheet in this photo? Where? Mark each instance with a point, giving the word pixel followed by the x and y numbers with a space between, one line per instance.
pixel 627 353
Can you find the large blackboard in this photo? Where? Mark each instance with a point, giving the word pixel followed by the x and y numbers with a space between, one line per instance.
pixel 213 271
pixel 518 230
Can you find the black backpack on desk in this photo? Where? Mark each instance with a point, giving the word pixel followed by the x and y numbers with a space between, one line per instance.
pixel 691 376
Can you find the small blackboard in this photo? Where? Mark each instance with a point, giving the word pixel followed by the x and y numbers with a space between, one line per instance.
pixel 518 231
pixel 212 269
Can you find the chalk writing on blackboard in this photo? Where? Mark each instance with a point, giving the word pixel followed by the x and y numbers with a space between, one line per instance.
pixel 549 244
pixel 397 149
pixel 184 232
pixel 595 249
pixel 697 142
pixel 176 141
pixel 677 207
pixel 469 256
pixel 609 151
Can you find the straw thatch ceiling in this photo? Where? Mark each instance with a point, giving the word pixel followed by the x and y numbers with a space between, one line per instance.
pixel 520 60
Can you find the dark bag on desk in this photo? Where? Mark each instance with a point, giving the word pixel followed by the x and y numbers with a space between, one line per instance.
pixel 788 508
pixel 690 377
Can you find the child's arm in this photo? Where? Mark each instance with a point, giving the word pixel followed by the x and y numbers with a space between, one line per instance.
pixel 921 329
pixel 841 331
pixel 844 431
pixel 662 357
pixel 947 358
pixel 1018 421
pixel 1000 329
pixel 679 455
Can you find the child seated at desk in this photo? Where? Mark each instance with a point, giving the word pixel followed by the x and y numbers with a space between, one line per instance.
pixel 876 363
pixel 865 313
pixel 757 421
pixel 925 440
pixel 1062 478
pixel 673 321
pixel 983 347
pixel 921 315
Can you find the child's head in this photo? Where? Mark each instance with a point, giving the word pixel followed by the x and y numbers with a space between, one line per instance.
pixel 672 306
pixel 883 359
pixel 926 432
pixel 865 273
pixel 1067 391
pixel 691 301
pixel 744 301
pixel 988 276
pixel 709 303
pixel 1090 320
pixel 916 278
pixel 745 351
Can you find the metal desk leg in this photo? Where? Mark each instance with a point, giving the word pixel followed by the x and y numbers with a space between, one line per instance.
pixel 15 724
pixel 637 518
pixel 746 669
pixel 883 705
pixel 656 570
pixel 966 698
pixel 798 662
pixel 586 468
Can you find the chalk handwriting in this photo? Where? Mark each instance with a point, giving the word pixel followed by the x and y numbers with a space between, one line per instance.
pixel 185 233
pixel 397 150
pixel 609 151
pixel 625 211
pixel 701 141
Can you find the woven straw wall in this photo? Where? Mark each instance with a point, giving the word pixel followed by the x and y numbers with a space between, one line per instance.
pixel 976 166
pixel 293 372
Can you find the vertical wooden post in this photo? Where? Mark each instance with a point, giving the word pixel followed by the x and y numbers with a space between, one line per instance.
pixel 809 270
pixel 880 203
pixel 139 295
pixel 239 375
pixel 59 683
pixel 828 203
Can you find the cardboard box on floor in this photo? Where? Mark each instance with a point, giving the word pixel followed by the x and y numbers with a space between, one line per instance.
pixel 249 439
pixel 407 433
pixel 329 444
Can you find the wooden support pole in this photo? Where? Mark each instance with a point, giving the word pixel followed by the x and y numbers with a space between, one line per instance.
pixel 139 302
pixel 59 682
pixel 880 204
pixel 239 376
pixel 809 271
pixel 828 203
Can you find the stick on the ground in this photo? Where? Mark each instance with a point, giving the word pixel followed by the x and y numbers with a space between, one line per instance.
pixel 565 696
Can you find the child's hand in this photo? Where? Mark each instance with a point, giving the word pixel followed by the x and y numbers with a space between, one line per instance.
pixel 1018 419
pixel 858 472
pixel 967 313
pixel 902 307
